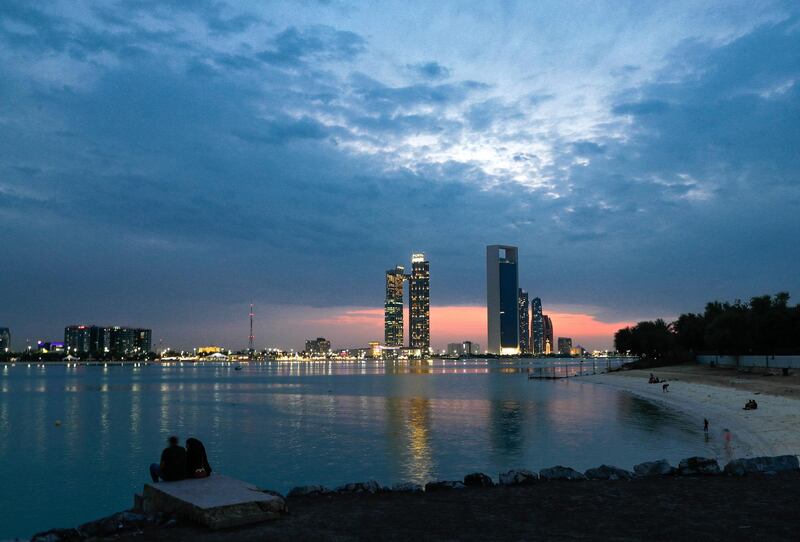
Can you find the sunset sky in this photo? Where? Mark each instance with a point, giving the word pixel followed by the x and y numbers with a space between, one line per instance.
pixel 165 163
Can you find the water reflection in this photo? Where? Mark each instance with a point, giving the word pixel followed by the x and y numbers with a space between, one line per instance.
pixel 281 425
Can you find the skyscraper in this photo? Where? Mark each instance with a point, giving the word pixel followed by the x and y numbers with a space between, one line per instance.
pixel 565 345
pixel 419 304
pixel 393 307
pixel 5 340
pixel 117 341
pixel 502 284
pixel 547 333
pixel 524 323
pixel 537 326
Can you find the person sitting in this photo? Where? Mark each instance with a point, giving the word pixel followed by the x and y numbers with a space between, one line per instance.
pixel 751 405
pixel 652 379
pixel 173 463
pixel 196 459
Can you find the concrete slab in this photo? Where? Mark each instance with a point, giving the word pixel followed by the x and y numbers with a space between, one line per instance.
pixel 217 502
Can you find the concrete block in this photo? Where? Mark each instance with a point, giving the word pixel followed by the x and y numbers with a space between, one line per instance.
pixel 217 502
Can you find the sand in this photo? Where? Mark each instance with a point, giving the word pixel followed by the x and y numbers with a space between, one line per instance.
pixel 719 395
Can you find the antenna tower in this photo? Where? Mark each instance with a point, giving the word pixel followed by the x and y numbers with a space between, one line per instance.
pixel 251 329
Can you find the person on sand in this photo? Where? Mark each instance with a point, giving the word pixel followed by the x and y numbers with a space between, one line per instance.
pixel 705 426
pixel 727 437
pixel 173 463
pixel 196 459
pixel 664 387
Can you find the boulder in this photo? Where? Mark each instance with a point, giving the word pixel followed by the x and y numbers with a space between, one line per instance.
pixel 478 479
pixel 519 477
pixel 443 485
pixel 370 486
pixel 309 491
pixel 693 466
pixel 607 472
pixel 560 473
pixel 406 487
pixel 765 465
pixel 58 535
pixel 653 468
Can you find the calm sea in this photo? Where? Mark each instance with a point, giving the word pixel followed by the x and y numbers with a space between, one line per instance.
pixel 280 425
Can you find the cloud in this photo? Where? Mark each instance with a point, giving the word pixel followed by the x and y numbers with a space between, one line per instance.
pixel 429 70
pixel 180 156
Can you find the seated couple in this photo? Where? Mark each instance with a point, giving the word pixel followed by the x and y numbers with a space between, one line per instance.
pixel 179 463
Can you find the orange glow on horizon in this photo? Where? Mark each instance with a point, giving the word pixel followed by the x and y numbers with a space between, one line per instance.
pixel 455 323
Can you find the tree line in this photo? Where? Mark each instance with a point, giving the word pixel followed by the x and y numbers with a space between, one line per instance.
pixel 764 325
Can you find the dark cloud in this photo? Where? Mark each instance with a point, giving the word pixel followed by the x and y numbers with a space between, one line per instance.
pixel 181 176
pixel 429 70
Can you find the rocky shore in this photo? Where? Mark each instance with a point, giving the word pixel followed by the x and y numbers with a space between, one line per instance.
pixel 748 497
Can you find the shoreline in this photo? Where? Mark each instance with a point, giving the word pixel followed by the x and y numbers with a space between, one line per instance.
pixel 768 431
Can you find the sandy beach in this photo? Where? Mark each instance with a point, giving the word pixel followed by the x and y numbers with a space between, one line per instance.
pixel 719 395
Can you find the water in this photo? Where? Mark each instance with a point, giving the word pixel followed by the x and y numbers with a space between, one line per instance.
pixel 281 425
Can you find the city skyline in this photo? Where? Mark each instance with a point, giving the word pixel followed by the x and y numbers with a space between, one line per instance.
pixel 166 165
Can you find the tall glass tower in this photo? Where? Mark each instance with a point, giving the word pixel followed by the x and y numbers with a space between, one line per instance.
pixel 537 323
pixel 502 285
pixel 393 307
pixel 524 323
pixel 419 304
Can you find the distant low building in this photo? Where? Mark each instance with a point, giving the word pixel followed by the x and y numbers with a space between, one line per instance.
pixel 465 348
pixel 203 350
pixel 318 347
pixel 114 341
pixel 45 347
pixel 565 345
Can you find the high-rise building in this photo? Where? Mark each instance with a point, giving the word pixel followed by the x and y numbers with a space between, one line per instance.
pixel 502 284
pixel 565 345
pixel 524 322
pixel 537 326
pixel 393 307
pixel 5 340
pixel 419 304
pixel 547 331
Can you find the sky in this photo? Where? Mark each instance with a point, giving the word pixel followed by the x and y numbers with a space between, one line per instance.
pixel 163 163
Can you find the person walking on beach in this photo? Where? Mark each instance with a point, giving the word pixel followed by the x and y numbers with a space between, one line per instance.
pixel 728 437
pixel 173 463
pixel 664 387
pixel 705 425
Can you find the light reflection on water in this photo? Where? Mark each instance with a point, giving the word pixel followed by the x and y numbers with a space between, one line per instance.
pixel 280 425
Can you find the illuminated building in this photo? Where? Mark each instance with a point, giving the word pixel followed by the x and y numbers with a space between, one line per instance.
pixel 537 326
pixel 565 345
pixel 547 331
pixel 49 346
pixel 466 348
pixel 209 350
pixel 318 347
pixel 375 350
pixel 502 285
pixel 548 348
pixel 393 307
pixel 419 304
pixel 524 322
pixel 99 341
pixel 5 339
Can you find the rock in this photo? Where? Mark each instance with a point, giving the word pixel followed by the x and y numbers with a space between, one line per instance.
pixel 406 487
pixel 370 486
pixel 309 491
pixel 58 535
pixel 519 477
pixel 693 466
pixel 122 521
pixel 560 473
pixel 653 468
pixel 765 465
pixel 478 479
pixel 443 485
pixel 607 472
